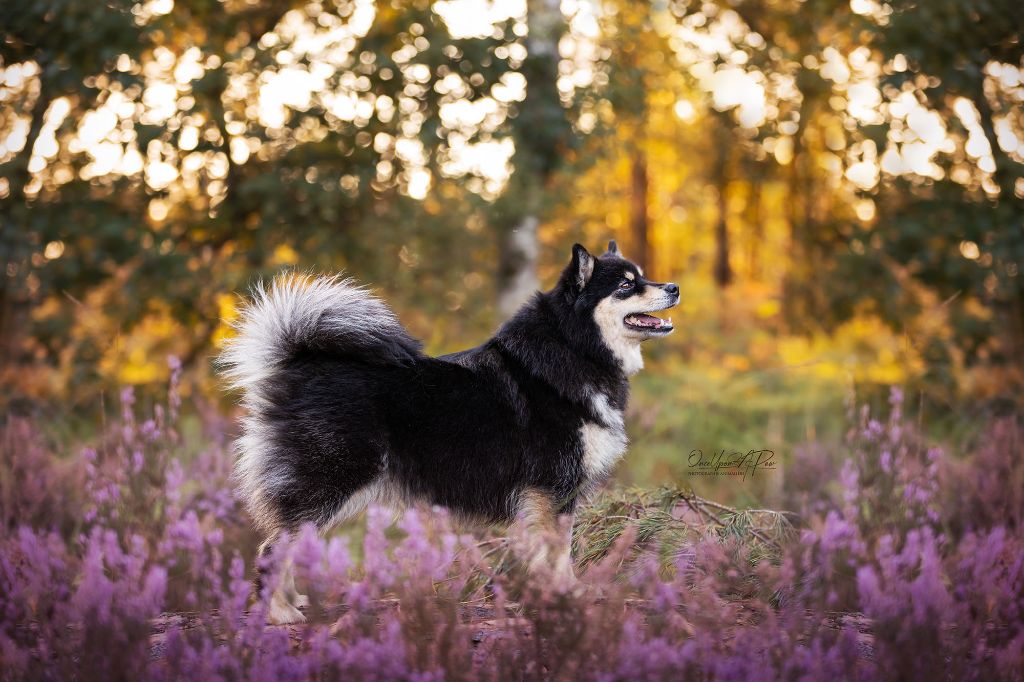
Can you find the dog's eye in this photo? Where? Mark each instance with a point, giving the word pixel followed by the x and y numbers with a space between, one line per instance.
pixel 626 284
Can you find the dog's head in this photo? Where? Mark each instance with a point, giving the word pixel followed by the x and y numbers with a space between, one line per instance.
pixel 620 300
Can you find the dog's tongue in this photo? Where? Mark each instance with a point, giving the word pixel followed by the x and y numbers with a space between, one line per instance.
pixel 644 320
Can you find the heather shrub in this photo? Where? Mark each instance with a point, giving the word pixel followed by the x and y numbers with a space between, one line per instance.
pixel 987 489
pixel 132 560
pixel 37 489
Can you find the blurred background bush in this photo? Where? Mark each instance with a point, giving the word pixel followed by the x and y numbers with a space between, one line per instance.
pixel 837 186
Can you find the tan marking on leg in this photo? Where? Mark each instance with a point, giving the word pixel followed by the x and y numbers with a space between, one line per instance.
pixel 288 584
pixel 549 537
pixel 285 599
pixel 282 611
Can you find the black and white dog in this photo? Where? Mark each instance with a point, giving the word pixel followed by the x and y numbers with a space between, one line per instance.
pixel 345 410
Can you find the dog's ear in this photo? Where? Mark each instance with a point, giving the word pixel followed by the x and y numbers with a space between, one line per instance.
pixel 581 268
pixel 613 249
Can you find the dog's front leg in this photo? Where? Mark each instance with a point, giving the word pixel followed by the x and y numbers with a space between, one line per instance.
pixel 547 537
pixel 565 573
pixel 285 599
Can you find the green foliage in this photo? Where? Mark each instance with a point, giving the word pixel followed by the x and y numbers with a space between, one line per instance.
pixel 106 269
pixel 949 45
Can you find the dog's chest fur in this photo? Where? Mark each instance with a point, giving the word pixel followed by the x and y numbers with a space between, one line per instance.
pixel 603 439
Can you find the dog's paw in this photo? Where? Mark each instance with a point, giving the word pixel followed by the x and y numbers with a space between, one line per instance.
pixel 300 601
pixel 590 590
pixel 282 613
pixel 570 585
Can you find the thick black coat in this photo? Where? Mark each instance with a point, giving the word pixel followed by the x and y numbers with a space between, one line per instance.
pixel 341 407
pixel 466 431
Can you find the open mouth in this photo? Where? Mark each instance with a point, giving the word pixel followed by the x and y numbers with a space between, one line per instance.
pixel 648 323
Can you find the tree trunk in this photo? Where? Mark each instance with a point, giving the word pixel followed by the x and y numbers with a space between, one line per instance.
pixel 13 254
pixel 722 270
pixel 756 213
pixel 1010 301
pixel 518 266
pixel 538 132
pixel 638 218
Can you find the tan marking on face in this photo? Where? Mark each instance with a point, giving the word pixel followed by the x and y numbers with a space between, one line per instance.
pixel 620 339
pixel 623 343
pixel 629 275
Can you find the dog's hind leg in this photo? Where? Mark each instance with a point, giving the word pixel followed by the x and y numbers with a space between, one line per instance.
pixel 379 491
pixel 285 600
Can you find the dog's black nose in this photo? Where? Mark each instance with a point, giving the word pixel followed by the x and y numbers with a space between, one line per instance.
pixel 672 289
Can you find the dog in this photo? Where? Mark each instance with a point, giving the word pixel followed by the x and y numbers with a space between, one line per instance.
pixel 345 410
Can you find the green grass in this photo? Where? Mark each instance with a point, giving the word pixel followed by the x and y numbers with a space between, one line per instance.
pixel 677 410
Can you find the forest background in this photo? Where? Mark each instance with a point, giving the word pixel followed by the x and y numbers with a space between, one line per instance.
pixel 838 188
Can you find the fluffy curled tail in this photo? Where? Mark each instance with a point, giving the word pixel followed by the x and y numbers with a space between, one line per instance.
pixel 303 313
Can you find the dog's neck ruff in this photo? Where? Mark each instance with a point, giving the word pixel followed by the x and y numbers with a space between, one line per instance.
pixel 534 339
pixel 604 441
pixel 630 358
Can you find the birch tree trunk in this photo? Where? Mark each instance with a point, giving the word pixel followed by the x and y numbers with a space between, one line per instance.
pixel 518 265
pixel 638 216
pixel 540 132
pixel 14 243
